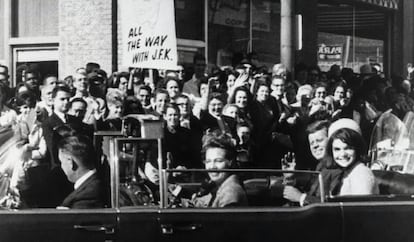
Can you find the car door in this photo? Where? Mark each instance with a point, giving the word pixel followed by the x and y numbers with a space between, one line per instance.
pixel 312 223
pixel 138 224
pixel 265 222
pixel 135 198
pixel 58 225
pixel 379 221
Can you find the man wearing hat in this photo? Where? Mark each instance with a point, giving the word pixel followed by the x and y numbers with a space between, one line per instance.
pixel 366 71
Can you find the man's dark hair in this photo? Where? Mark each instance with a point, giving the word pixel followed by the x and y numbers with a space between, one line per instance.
pixel 321 84
pixel 33 71
pixel 26 98
pixel 173 106
pixel 78 99
pixel 318 125
pixel 81 148
pixel 118 78
pixel 60 89
pixel 160 91
pixel 47 76
pixel 218 96
pixel 144 87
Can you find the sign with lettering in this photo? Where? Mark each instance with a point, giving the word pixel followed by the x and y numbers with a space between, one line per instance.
pixel 234 13
pixel 329 55
pixel 330 52
pixel 148 34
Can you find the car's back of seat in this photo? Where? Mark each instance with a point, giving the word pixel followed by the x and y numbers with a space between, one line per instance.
pixel 260 193
pixel 391 182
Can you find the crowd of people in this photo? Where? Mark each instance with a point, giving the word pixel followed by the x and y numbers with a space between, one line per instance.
pixel 323 118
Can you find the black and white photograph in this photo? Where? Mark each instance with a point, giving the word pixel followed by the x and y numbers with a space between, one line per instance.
pixel 207 120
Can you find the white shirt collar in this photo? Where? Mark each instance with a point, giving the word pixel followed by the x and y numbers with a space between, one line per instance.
pixel 83 178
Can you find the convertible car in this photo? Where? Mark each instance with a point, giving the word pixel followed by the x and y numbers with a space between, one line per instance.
pixel 146 211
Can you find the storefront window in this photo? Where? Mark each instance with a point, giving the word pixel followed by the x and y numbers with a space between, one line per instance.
pixel 189 19
pixel 238 27
pixel 31 18
pixel 350 36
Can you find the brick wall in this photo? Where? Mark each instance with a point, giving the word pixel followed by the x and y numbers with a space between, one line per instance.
pixel 119 39
pixel 85 34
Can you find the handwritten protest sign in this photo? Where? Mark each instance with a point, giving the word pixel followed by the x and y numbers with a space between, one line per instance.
pixel 148 34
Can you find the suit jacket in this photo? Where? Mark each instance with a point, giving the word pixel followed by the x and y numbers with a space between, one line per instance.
pixel 89 195
pixel 209 122
pixel 229 193
pixel 49 126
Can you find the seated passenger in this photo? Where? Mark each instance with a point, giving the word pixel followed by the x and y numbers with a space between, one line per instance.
pixel 226 188
pixel 341 167
pixel 346 148
pixel 318 139
pixel 78 163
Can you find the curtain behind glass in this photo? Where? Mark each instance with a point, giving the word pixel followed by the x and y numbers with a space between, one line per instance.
pixel 33 18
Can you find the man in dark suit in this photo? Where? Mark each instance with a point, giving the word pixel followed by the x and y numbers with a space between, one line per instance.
pixel 77 161
pixel 60 187
pixel 61 96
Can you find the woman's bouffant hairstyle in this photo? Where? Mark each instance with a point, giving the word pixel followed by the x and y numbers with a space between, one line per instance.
pixel 218 139
pixel 349 137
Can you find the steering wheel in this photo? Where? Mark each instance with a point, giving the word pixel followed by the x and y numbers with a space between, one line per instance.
pixel 136 194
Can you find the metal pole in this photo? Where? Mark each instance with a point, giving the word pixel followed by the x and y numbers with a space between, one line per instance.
pixel 114 165
pixel 347 46
pixel 206 30
pixel 250 45
pixel 114 22
pixel 353 38
pixel 8 55
pixel 286 33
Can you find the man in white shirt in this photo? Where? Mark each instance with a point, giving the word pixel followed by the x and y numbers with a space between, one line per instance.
pixel 95 106
pixel 46 102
